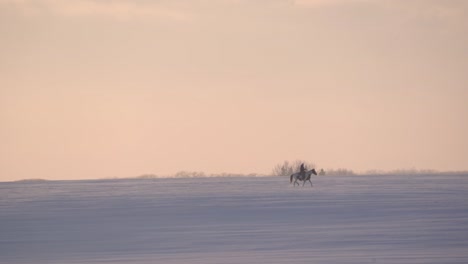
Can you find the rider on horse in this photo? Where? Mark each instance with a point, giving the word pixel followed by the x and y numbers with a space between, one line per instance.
pixel 302 171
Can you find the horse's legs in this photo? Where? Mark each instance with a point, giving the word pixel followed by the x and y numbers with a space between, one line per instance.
pixel 311 185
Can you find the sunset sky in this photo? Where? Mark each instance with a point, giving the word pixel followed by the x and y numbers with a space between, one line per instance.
pixel 119 88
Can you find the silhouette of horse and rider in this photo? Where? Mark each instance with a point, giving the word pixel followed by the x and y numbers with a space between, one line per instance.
pixel 302 175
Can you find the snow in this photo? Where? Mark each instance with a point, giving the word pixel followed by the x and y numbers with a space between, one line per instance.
pixel 350 219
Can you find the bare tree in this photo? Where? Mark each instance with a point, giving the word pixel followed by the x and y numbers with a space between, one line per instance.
pixel 287 168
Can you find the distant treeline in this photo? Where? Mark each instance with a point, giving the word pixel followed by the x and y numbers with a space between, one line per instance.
pixel 198 174
pixel 321 172
pixel 32 180
pixel 338 172
pixel 413 172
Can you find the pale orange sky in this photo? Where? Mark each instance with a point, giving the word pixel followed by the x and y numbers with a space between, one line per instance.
pixel 99 89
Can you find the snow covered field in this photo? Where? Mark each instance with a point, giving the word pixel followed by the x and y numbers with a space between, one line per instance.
pixel 353 219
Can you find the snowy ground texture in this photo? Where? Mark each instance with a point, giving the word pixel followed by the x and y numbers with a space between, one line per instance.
pixel 353 219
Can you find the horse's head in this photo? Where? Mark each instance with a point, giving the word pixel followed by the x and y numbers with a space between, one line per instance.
pixel 313 171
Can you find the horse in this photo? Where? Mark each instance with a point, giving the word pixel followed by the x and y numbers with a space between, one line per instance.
pixel 297 176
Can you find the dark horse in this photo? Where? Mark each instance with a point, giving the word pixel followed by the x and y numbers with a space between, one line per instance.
pixel 297 176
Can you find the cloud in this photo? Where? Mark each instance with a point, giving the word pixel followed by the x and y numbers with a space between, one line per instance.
pixel 118 9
